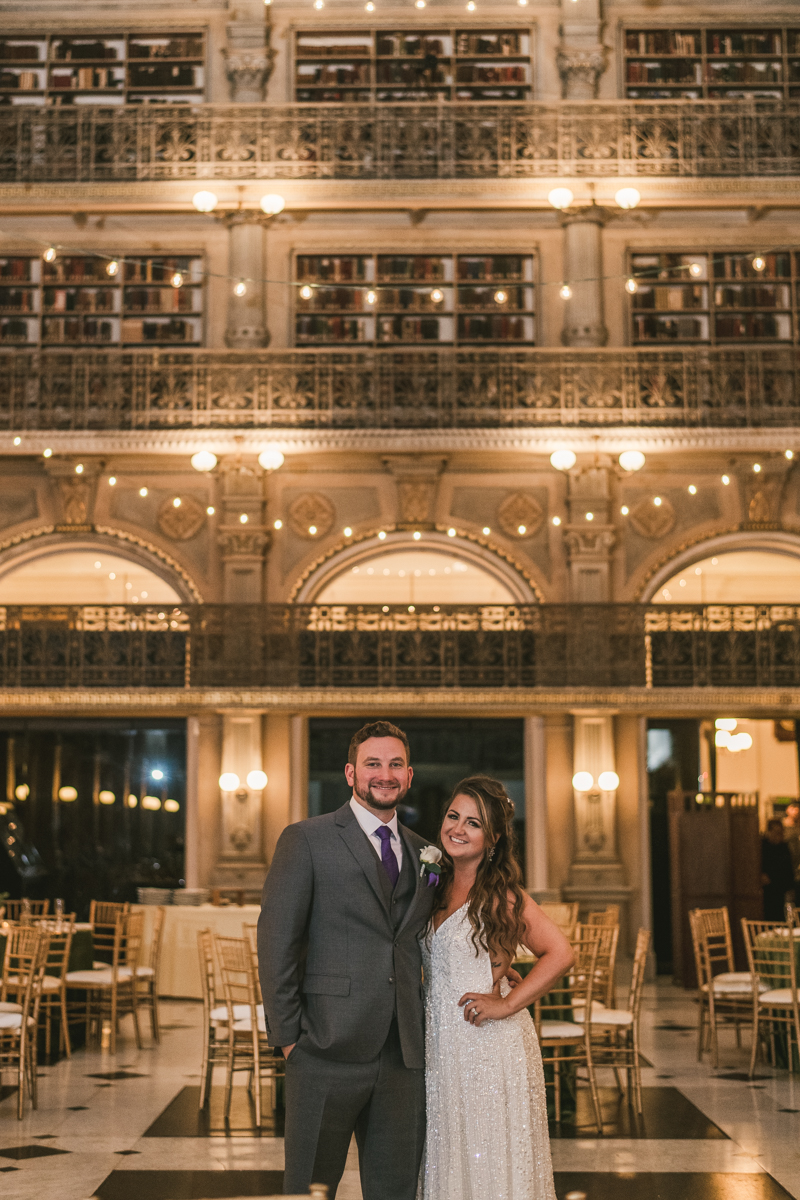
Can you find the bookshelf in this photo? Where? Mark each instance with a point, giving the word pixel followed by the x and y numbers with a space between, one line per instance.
pixel 712 63
pixel 74 302
pixel 121 68
pixel 446 299
pixel 392 66
pixel 714 299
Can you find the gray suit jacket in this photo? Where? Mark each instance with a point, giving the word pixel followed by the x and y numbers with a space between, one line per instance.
pixel 334 969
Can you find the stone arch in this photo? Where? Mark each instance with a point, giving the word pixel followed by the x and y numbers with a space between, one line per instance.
pixel 522 589
pixel 45 542
pixel 779 542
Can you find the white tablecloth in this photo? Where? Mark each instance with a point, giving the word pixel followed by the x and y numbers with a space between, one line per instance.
pixel 179 974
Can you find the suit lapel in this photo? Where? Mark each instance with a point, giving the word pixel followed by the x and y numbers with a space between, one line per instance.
pixel 358 844
pixel 419 892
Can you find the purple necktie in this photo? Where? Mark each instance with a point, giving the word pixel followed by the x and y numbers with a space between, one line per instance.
pixel 388 857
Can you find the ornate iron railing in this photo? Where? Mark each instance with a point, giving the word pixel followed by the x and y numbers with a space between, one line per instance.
pixel 397 389
pixel 403 141
pixel 376 647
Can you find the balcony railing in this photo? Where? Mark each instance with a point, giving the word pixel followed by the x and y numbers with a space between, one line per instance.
pixel 405 141
pixel 397 389
pixel 369 646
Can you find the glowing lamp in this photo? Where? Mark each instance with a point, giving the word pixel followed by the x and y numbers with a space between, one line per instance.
pixel 256 781
pixel 229 781
pixel 583 781
pixel 608 781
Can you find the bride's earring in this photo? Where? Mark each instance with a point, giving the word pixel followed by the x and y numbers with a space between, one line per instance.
pixel 490 855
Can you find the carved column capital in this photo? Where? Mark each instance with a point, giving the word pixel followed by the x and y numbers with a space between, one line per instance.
pixel 238 541
pixel 248 71
pixel 580 70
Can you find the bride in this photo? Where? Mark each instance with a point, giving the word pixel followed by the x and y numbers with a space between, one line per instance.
pixel 487 1136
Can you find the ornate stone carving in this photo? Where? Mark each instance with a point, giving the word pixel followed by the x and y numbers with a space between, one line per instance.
pixel 580 71
pixel 763 500
pixel 311 515
pixel 241 542
pixel 417 479
pixel 183 520
pixel 520 515
pixel 414 499
pixel 653 520
pixel 248 72
pixel 75 500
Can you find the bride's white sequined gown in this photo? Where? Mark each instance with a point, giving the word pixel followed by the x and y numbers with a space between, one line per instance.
pixel 487 1136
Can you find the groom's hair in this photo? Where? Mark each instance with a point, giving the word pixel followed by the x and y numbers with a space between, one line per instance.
pixel 378 729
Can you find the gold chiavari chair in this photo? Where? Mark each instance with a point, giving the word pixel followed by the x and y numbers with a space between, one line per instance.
pixel 772 956
pixel 23 973
pixel 558 1030
pixel 608 916
pixel 615 1031
pixel 54 984
pixel 251 936
pixel 17 909
pixel 147 973
pixel 215 1016
pixel 565 916
pixel 247 1038
pixel 605 970
pixel 112 990
pixel 727 994
pixel 103 920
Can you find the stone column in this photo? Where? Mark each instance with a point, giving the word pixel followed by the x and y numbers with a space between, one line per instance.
pixel 537 881
pixel 582 57
pixel 277 764
pixel 241 861
pixel 247 328
pixel 191 866
pixel 589 535
pixel 244 542
pixel 298 755
pixel 596 875
pixel 248 54
pixel 584 323
pixel 203 800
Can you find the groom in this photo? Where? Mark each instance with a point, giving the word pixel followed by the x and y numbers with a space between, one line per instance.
pixel 340 967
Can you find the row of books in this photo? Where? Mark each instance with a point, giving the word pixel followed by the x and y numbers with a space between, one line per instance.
pixel 87 78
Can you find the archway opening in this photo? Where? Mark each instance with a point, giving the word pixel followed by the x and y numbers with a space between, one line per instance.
pixel 415 576
pixel 735 577
pixel 83 576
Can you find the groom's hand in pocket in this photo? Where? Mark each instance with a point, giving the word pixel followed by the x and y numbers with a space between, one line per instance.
pixel 287 1050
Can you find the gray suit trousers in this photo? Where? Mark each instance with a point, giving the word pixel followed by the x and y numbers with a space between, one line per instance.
pixel 382 1101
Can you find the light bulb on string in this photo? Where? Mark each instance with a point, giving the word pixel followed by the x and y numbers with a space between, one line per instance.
pixel 759 263
pixel 565 291
pixel 786 454
pixel 437 295
pixel 177 279
pixel 500 297
pixel 50 254
pixel 471 6
pixel 371 297
pixel 695 269
pixel 318 4
pixel 631 286
pixel 240 288
pixel 369 6
pixel 112 268
pixel 305 292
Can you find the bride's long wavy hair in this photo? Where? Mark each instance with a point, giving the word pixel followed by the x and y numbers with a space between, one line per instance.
pixel 496 923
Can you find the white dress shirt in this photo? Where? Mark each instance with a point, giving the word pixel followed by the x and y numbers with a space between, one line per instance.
pixel 370 823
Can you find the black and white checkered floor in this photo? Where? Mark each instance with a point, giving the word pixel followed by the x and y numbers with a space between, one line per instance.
pixel 127 1128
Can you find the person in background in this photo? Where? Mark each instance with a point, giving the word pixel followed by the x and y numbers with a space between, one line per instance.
pixel 791 835
pixel 777 873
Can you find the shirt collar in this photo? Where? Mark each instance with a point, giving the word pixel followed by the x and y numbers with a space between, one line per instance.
pixel 369 822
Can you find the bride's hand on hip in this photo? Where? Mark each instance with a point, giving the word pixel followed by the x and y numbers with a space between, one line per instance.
pixel 483 1006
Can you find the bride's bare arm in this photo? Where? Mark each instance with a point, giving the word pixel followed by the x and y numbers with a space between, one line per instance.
pixel 554 957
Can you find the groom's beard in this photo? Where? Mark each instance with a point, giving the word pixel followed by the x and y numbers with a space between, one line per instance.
pixel 381 802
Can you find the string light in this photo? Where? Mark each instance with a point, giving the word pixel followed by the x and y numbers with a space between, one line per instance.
pixel 590 516
pixel 176 503
pixel 471 6
pixel 47 453
pixel 318 4
pixel 50 254
pixel 500 297
pixel 786 454
pixel 142 492
pixel 522 530
pixel 631 286
pixel 240 289
pixel 381 536
pixel 79 469
pixel 18 440
pixel 277 524
pixel 112 481
pixel 347 531
pixel 243 519
pixel 437 296
pixel 757 468
pixel 692 490
pixel 486 531
pixel 556 520
pixel 451 533
pixel 726 479
pixel 112 268
pixel 419 3
pixel 624 510
pixel 759 263
pixel 565 291
pixel 416 535
pixel 369 6
pixel 657 501
pixel 312 529
pixel 177 280
pixel 306 292
pixel 695 269
pixel 371 297
pixel 210 510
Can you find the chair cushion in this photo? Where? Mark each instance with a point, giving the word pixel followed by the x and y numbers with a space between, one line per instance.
pixel 776 996
pixel 145 972
pixel 732 977
pixel 245 1025
pixel 97 978
pixel 10 1020
pixel 608 1016
pixel 561 1029
pixel 7 1006
pixel 240 1011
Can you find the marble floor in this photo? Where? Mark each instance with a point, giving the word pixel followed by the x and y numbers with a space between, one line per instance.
pixel 704 1134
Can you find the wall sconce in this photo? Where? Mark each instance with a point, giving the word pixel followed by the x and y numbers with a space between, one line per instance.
pixel 229 781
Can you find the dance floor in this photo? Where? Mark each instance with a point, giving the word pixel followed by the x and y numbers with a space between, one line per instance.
pixel 127 1128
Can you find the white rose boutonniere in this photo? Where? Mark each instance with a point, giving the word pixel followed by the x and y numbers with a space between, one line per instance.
pixel 430 857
